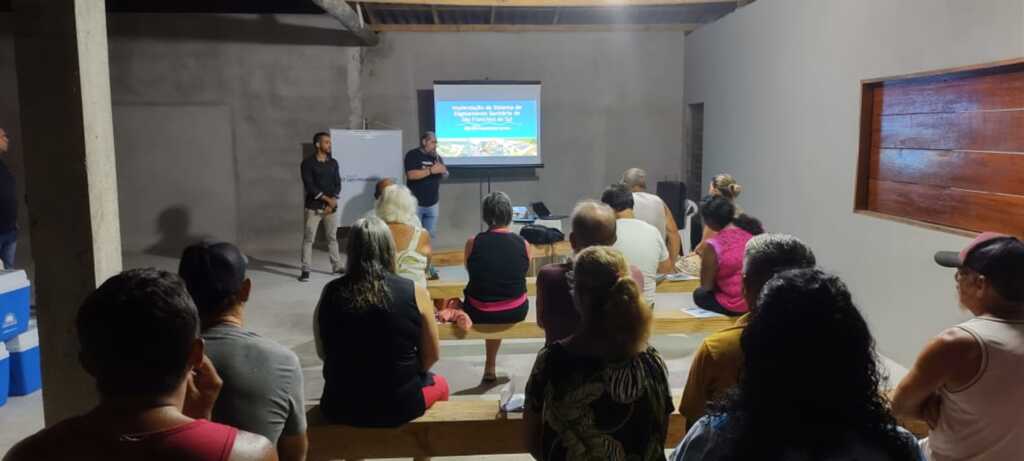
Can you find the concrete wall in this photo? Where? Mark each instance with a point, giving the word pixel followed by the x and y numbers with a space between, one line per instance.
pixel 609 101
pixel 779 80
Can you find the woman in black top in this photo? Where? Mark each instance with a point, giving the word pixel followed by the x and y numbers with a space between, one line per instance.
pixel 497 261
pixel 376 334
pixel 603 392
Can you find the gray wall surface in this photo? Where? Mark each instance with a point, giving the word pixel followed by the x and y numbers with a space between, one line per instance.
pixel 609 101
pixel 779 80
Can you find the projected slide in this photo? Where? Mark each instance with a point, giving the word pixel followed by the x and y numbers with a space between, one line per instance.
pixel 488 125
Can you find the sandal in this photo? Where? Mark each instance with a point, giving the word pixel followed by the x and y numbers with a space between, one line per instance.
pixel 489 378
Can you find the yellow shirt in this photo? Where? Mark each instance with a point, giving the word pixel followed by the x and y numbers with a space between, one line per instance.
pixel 715 369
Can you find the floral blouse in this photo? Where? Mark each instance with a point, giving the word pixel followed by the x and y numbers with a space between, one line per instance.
pixel 595 410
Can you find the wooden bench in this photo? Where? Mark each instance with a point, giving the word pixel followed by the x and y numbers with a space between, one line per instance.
pixel 455 257
pixel 664 323
pixel 445 289
pixel 453 428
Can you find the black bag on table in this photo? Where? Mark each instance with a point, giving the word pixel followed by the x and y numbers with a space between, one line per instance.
pixel 540 235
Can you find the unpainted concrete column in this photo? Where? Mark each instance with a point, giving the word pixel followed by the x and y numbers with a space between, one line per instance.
pixel 68 145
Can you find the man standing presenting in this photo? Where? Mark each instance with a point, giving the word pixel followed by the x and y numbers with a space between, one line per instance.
pixel 8 208
pixel 424 169
pixel 321 181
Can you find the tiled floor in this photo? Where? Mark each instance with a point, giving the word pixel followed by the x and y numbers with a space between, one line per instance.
pixel 281 308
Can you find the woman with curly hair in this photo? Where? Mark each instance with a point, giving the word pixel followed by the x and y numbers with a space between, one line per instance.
pixel 809 386
pixel 603 392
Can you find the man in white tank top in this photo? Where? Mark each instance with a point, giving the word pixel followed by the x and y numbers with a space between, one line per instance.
pixel 968 383
pixel 651 209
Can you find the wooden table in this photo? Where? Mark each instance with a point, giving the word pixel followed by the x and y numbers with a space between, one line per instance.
pixel 445 289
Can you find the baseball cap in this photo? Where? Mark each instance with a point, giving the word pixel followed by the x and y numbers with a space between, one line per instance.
pixel 213 272
pixel 999 257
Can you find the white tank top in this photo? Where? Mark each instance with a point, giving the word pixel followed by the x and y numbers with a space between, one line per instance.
pixel 984 421
pixel 650 209
pixel 410 263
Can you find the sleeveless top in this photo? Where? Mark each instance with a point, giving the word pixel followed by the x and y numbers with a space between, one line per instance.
pixel 497 267
pixel 729 245
pixel 199 440
pixel 372 371
pixel 650 208
pixel 410 263
pixel 984 421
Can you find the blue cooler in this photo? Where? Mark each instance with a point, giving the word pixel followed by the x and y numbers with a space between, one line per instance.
pixel 5 365
pixel 14 302
pixel 26 375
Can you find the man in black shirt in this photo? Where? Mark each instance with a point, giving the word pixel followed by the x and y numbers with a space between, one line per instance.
pixel 424 170
pixel 8 208
pixel 321 181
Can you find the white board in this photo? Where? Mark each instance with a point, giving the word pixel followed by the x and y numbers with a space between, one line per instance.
pixel 364 157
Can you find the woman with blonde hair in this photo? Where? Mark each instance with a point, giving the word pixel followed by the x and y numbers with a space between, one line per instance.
pixel 397 207
pixel 603 392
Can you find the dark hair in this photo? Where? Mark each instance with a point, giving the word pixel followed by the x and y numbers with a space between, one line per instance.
pixel 806 316
pixel 136 332
pixel 618 196
pixel 717 212
pixel 371 256
pixel 427 135
pixel 321 134
pixel 497 209
pixel 213 273
pixel 1001 261
pixel 748 223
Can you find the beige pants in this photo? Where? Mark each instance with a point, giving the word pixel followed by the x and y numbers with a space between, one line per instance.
pixel 313 220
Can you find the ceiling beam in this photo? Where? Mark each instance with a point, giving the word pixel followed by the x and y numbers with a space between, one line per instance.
pixel 552 3
pixel 533 27
pixel 339 9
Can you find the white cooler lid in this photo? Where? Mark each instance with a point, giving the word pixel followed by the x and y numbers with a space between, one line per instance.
pixel 11 280
pixel 24 341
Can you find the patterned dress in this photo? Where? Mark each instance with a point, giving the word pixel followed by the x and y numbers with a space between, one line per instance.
pixel 595 410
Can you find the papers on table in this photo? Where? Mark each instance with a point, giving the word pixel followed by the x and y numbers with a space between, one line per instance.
pixel 700 313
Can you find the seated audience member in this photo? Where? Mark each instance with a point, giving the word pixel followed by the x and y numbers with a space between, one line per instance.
pixel 721 278
pixel 593 223
pixel 638 241
pixel 725 186
pixel 603 392
pixel 267 399
pixel 139 337
pixel 378 189
pixel 716 364
pixel 397 207
pixel 376 334
pixel 809 385
pixel 967 383
pixel 497 261
pixel 651 209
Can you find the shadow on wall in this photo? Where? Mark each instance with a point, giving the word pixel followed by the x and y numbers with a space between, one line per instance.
pixel 173 226
pixel 264 29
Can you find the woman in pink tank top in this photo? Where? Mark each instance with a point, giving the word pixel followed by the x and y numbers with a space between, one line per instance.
pixel 721 274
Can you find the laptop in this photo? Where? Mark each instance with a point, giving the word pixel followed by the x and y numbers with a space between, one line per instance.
pixel 521 214
pixel 543 212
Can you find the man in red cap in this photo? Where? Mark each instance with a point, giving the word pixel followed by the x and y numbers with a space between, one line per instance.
pixel 967 383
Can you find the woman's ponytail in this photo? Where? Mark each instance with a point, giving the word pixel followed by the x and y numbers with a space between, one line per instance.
pixel 626 317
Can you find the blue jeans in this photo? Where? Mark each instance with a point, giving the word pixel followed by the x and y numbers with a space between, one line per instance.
pixel 8 244
pixel 428 218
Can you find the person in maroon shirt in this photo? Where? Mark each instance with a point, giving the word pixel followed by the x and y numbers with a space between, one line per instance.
pixel 593 224
pixel 139 337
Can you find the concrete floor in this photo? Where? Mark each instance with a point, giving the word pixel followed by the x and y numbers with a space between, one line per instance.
pixel 281 308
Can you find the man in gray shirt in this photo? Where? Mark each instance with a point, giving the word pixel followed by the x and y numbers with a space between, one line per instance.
pixel 262 390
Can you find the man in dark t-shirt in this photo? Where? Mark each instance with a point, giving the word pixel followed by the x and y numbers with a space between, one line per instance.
pixel 321 182
pixel 8 208
pixel 424 170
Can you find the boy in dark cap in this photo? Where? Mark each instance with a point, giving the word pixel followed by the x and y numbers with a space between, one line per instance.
pixel 263 390
pixel 967 382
